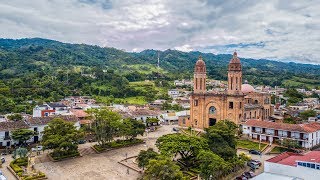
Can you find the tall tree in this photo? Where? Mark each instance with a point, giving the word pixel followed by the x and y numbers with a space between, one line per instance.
pixel 221 139
pixel 145 156
pixel 22 135
pixel 186 146
pixel 106 125
pixel 61 136
pixel 212 166
pixel 162 169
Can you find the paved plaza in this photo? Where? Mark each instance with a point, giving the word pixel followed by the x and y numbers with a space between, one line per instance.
pixel 100 166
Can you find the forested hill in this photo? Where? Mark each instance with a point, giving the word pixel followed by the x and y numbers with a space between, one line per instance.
pixel 23 56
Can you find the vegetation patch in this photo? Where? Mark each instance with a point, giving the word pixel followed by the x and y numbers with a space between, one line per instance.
pixel 59 156
pixel 19 164
pixel 279 150
pixel 246 144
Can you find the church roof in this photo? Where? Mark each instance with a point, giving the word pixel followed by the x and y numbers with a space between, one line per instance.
pixel 247 88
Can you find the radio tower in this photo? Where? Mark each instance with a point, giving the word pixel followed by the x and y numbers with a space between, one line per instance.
pixel 158 60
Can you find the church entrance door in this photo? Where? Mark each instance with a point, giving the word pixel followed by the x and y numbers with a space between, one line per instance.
pixel 212 121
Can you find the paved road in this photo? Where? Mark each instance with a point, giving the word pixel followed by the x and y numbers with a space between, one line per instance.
pixel 5 170
pixel 261 158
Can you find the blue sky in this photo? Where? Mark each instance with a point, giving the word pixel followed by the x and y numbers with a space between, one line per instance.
pixel 286 30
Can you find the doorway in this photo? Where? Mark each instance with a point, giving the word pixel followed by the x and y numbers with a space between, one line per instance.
pixel 212 121
pixel 35 139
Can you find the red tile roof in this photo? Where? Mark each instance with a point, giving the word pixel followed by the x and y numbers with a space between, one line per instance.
pixel 307 128
pixel 33 121
pixel 291 159
pixel 79 113
pixel 12 125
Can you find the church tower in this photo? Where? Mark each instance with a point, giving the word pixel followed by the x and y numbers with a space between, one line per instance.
pixel 199 80
pixel 234 75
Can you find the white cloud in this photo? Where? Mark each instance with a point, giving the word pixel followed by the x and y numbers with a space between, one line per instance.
pixel 184 48
pixel 288 30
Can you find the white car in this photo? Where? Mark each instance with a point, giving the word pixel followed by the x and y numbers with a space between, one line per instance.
pixel 2 176
pixel 38 148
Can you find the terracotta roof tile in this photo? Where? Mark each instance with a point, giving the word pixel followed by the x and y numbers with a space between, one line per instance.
pixel 32 121
pixel 291 159
pixel 12 125
pixel 308 128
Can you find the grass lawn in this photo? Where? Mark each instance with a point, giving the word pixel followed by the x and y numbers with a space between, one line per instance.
pixel 278 149
pixel 246 144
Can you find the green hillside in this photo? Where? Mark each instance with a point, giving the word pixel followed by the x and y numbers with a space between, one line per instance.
pixel 47 70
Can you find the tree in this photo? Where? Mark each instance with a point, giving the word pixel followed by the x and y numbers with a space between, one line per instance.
pixel 145 156
pixel 179 144
pixel 212 166
pixel 162 169
pixel 290 143
pixel 221 139
pixel 106 125
pixel 308 113
pixel 61 136
pixel 15 117
pixel 22 135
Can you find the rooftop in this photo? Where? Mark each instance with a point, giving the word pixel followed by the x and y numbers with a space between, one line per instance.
pixel 12 125
pixel 32 121
pixel 307 128
pixel 291 159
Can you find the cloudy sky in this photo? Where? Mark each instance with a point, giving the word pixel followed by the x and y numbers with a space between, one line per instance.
pixel 285 30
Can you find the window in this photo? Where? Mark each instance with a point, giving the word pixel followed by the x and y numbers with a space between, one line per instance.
pixel 195 122
pixel 240 105
pixel 308 165
pixel 313 166
pixel 300 163
pixel 230 105
pixel 212 110
pixel 231 83
pixel 195 102
pixel 183 121
pixel 304 164
pixel 196 83
pixel 35 129
pixel 201 83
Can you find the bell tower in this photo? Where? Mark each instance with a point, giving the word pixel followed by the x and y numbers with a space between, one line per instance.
pixel 234 75
pixel 199 80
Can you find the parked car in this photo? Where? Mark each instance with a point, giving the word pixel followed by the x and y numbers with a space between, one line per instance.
pixel 2 177
pixel 175 129
pixel 256 161
pixel 3 160
pixel 82 141
pixel 253 165
pixel 241 178
pixel 37 148
pixel 253 151
pixel 249 174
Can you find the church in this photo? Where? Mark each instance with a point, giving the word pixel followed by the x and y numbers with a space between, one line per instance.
pixel 238 103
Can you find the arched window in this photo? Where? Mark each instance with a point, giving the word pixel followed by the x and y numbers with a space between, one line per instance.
pixel 256 101
pixel 212 110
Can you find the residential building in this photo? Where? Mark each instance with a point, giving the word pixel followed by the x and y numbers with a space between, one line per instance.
pixel 173 93
pixel 50 109
pixel 6 128
pixel 307 135
pixel 299 166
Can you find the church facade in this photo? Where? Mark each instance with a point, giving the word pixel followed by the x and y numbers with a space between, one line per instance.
pixel 237 103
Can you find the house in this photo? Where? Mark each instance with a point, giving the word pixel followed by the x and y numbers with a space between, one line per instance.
pixel 307 135
pixel 296 166
pixel 173 117
pixel 37 124
pixel 50 109
pixel 6 127
pixel 173 93
pixel 82 116
pixel 75 100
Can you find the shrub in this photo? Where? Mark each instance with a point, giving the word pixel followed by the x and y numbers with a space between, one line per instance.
pixel 15 167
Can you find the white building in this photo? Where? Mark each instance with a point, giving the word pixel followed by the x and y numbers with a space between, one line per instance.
pixel 299 166
pixel 37 124
pixel 6 127
pixel 307 135
pixel 50 109
pixel 173 93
